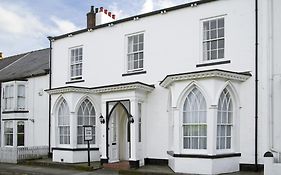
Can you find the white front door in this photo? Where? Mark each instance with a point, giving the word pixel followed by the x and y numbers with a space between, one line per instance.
pixel 113 138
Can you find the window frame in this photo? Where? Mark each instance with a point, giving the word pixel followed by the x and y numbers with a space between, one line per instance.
pixel 186 150
pixel 10 133
pixel 15 97
pixel 232 125
pixel 127 53
pixel 58 125
pixel 94 141
pixel 202 59
pixel 22 133
pixel 75 77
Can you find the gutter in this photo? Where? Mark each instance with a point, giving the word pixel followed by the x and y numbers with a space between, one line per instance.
pixel 50 102
pixel 256 84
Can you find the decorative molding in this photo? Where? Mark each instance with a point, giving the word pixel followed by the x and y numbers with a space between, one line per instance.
pixel 103 89
pixel 214 73
pixel 76 81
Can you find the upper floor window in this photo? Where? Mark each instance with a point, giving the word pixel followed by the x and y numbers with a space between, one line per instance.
pixel 76 58
pixel 213 39
pixel 86 116
pixel 8 97
pixel 135 52
pixel 14 96
pixel 224 120
pixel 195 121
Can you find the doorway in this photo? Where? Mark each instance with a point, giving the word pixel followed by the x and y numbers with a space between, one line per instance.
pixel 118 131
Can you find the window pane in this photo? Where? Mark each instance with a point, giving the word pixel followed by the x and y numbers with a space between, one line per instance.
pixel 220 33
pixel 221 23
pixel 224 127
pixel 213 24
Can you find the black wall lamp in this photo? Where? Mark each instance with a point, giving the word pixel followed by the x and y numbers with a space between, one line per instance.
pixel 102 121
pixel 131 119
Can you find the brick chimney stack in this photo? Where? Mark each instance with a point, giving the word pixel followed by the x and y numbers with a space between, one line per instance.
pixel 91 18
pixel 98 16
pixel 1 56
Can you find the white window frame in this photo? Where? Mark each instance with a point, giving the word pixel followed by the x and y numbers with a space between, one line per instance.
pixel 187 150
pixel 227 124
pixel 21 133
pixel 74 63
pixel 93 142
pixel 202 59
pixel 63 125
pixel 128 53
pixel 15 97
pixel 5 123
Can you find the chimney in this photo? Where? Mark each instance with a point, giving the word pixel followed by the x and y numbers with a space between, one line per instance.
pixel 1 56
pixel 98 16
pixel 91 18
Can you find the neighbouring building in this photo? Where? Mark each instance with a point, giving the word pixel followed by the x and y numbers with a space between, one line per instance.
pixel 195 86
pixel 24 106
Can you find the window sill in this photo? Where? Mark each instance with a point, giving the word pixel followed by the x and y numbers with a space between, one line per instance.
pixel 204 156
pixel 133 73
pixel 74 81
pixel 213 63
pixel 11 112
pixel 75 149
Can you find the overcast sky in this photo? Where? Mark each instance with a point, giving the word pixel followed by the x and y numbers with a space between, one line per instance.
pixel 25 24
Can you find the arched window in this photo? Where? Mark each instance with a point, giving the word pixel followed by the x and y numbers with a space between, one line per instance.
pixel 86 116
pixel 224 120
pixel 63 123
pixel 195 121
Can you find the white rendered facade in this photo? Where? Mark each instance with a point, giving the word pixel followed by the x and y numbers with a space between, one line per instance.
pixel 25 114
pixel 157 93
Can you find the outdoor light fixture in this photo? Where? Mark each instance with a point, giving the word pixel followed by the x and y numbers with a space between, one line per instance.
pixel 131 119
pixel 102 121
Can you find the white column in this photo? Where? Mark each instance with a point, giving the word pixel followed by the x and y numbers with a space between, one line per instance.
pixel 211 129
pixel 73 130
pixel 103 131
pixel 133 128
pixel 177 130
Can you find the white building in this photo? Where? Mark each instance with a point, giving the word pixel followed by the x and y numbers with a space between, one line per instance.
pixel 176 86
pixel 24 106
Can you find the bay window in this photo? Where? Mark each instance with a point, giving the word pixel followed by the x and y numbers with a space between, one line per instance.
pixel 14 96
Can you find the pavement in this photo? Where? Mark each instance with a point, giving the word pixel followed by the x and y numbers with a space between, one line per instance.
pixel 46 167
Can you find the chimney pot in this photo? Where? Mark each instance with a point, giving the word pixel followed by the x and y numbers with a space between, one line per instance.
pixel 109 14
pixel 91 18
pixel 92 8
pixel 1 55
pixel 113 16
pixel 101 9
pixel 105 11
pixel 97 10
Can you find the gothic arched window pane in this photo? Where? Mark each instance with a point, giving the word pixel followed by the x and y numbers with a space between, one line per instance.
pixel 63 123
pixel 195 121
pixel 224 120
pixel 86 116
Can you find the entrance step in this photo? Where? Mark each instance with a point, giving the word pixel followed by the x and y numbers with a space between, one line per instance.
pixel 123 165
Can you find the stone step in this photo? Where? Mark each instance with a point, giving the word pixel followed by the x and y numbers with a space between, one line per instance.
pixel 123 165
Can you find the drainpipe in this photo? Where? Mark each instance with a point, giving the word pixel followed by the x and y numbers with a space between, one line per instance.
pixel 50 86
pixel 256 85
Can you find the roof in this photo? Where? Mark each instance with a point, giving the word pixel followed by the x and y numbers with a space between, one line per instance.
pixel 30 64
pixel 218 73
pixel 190 4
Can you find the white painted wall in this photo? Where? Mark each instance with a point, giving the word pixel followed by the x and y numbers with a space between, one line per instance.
pixel 37 116
pixel 172 45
